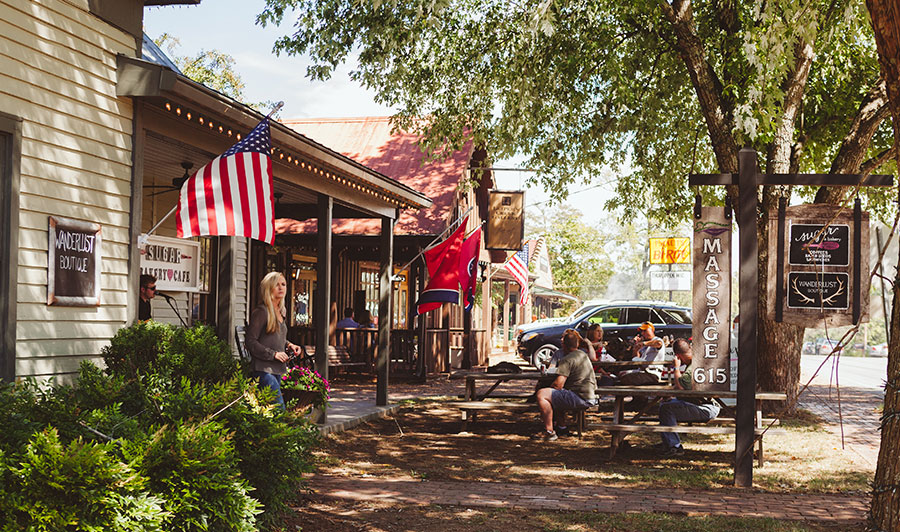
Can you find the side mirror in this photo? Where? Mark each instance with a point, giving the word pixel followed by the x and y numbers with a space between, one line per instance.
pixel 584 325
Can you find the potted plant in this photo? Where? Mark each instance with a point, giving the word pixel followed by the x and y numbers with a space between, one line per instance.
pixel 303 387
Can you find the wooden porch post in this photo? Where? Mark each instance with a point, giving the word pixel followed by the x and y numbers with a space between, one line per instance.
pixel 505 316
pixel 323 284
pixel 487 322
pixel 383 362
pixel 424 347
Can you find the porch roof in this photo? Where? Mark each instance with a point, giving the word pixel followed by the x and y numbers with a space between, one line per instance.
pixel 334 174
pixel 372 142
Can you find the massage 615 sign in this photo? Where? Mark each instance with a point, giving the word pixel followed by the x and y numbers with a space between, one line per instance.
pixel 712 300
pixel 174 262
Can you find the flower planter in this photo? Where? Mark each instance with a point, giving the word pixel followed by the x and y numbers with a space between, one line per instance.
pixel 304 398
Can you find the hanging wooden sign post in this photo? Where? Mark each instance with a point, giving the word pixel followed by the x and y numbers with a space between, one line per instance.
pixel 748 179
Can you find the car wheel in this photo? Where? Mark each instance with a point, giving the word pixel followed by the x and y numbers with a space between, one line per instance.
pixel 541 357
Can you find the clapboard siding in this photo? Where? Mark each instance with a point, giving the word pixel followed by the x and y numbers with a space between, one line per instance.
pixel 63 368
pixel 58 73
pixel 241 274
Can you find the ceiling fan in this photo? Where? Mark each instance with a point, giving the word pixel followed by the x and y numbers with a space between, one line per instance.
pixel 176 181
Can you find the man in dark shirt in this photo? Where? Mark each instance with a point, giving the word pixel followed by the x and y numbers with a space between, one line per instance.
pixel 690 410
pixel 148 292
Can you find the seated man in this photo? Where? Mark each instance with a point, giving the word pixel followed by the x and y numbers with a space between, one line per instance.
pixel 684 410
pixel 573 388
pixel 647 347
pixel 347 322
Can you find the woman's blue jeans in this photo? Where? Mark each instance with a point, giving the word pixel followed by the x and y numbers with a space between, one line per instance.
pixel 675 410
pixel 273 382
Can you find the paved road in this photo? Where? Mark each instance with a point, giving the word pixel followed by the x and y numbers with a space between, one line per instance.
pixel 853 372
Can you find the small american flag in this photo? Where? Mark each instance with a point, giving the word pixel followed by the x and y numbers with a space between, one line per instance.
pixel 232 195
pixel 517 266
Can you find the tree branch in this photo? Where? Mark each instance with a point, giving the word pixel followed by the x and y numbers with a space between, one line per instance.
pixel 706 83
pixel 873 109
pixel 779 159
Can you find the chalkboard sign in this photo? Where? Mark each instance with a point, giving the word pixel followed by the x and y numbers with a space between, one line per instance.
pixel 812 244
pixel 73 263
pixel 815 290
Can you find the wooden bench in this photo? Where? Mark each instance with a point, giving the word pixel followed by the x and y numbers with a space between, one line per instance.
pixel 338 356
pixel 470 410
pixel 688 429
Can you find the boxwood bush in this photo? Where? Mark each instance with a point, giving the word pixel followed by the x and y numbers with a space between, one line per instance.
pixel 172 427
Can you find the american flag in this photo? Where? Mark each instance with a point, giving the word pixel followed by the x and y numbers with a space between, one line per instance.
pixel 517 266
pixel 232 195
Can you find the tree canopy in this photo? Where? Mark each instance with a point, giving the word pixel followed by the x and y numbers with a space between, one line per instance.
pixel 667 87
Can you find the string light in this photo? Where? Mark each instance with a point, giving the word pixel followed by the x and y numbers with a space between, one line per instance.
pixel 304 165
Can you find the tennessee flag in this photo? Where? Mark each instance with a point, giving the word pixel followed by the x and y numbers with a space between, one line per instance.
pixel 232 195
pixel 442 262
pixel 468 267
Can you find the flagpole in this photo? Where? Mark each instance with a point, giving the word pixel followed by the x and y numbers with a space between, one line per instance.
pixel 408 264
pixel 142 239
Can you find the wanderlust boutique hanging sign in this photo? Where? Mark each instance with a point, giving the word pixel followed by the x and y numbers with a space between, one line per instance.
pixel 818 265
pixel 73 263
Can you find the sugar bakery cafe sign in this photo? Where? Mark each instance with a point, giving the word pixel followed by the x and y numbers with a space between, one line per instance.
pixel 73 263
pixel 817 255
pixel 174 262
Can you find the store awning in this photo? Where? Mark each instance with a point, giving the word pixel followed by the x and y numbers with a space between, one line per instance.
pixel 549 293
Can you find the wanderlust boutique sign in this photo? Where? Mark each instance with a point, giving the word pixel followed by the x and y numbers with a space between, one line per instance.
pixel 818 265
pixel 174 262
pixel 73 263
pixel 712 300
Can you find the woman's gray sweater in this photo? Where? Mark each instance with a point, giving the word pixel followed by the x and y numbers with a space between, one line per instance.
pixel 263 345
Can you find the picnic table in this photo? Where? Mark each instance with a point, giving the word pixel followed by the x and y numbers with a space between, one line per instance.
pixel 620 427
pixel 499 378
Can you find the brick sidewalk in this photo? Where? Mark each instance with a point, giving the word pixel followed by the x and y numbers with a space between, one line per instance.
pixel 835 509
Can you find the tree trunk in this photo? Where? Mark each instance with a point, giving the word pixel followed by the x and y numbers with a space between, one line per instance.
pixel 885 512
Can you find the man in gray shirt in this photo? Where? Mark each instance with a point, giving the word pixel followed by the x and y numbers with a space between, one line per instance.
pixel 574 387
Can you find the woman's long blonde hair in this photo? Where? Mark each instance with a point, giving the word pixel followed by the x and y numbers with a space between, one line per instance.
pixel 266 288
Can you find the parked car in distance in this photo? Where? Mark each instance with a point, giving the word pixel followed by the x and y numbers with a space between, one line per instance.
pixel 619 320
pixel 809 348
pixel 879 350
pixel 827 346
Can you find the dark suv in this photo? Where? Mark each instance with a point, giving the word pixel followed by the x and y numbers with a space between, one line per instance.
pixel 620 321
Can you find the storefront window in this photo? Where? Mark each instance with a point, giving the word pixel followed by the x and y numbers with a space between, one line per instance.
pixel 369 283
pixel 303 284
pixel 203 306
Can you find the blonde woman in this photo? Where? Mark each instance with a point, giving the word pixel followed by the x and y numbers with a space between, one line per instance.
pixel 266 337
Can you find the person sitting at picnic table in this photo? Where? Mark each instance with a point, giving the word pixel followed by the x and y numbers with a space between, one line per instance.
pixel 594 337
pixel 684 410
pixel 572 389
pixel 647 347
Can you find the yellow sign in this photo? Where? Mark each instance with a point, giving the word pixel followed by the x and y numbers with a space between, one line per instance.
pixel 670 250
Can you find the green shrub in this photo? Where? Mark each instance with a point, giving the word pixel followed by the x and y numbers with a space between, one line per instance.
pixel 201 356
pixel 274 448
pixel 17 404
pixel 274 456
pixel 193 466
pixel 139 349
pixel 78 486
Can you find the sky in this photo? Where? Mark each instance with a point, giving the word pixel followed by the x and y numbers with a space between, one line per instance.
pixel 229 26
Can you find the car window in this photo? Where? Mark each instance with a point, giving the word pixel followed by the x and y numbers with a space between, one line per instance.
pixel 606 316
pixel 655 319
pixel 675 316
pixel 636 315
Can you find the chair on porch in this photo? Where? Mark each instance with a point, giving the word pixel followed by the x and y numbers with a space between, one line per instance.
pixel 240 332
